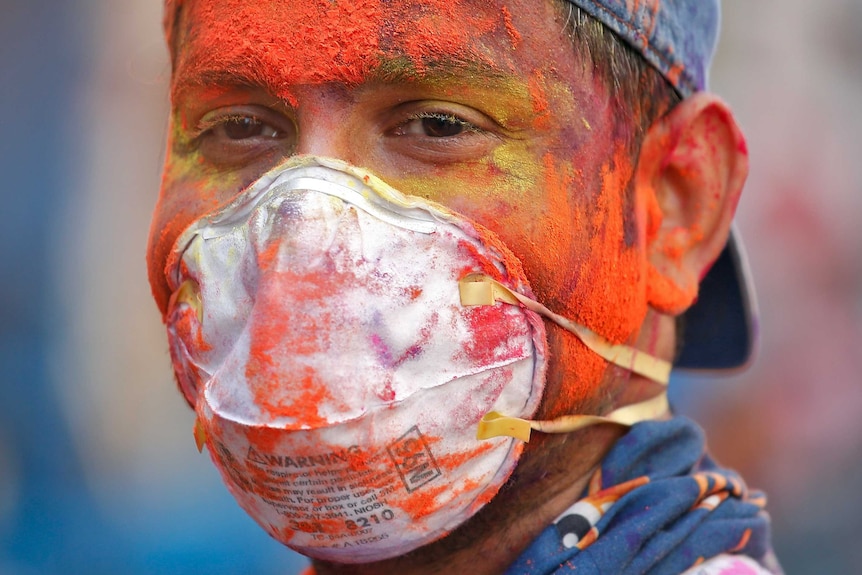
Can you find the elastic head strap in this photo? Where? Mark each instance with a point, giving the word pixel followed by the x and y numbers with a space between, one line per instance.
pixel 479 289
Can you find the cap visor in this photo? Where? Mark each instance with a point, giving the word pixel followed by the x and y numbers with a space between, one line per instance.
pixel 720 330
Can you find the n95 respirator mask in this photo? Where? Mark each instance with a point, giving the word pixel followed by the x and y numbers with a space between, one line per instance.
pixel 316 325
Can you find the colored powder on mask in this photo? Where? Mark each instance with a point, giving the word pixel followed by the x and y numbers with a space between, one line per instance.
pixel 476 258
pixel 385 356
pixel 495 338
pixel 281 383
pixel 413 292
pixel 188 332
pixel 263 439
pixel 452 461
pixel 188 329
pixel 309 524
pixel 425 500
pixel 301 404
pixel 315 41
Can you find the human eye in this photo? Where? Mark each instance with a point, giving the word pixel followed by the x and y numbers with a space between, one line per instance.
pixel 442 132
pixel 434 125
pixel 236 136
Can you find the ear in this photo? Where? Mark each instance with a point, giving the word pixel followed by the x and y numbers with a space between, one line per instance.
pixel 692 165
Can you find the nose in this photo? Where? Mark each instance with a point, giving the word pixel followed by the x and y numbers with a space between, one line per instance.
pixel 325 118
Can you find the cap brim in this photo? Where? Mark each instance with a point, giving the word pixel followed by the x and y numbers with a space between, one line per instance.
pixel 720 330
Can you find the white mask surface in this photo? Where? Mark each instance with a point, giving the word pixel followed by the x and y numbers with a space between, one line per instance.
pixel 316 325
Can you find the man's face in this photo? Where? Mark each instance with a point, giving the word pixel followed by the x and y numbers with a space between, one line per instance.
pixel 481 105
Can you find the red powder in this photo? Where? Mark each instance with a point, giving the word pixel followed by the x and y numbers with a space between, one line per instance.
pixel 494 336
pixel 414 292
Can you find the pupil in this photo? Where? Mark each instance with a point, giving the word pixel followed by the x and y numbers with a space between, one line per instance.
pixel 442 127
pixel 241 128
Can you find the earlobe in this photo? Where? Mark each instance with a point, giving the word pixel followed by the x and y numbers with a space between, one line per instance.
pixel 691 169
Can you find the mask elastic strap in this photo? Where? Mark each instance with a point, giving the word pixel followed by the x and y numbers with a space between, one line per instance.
pixel 494 424
pixel 479 289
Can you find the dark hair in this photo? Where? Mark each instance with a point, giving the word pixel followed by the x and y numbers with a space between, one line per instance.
pixel 639 92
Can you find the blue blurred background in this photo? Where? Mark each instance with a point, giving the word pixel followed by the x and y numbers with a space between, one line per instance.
pixel 98 470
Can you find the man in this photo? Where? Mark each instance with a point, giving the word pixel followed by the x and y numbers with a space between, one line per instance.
pixel 385 225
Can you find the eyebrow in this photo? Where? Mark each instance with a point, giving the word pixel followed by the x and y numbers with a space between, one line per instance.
pixel 392 70
pixel 228 76
pixel 400 69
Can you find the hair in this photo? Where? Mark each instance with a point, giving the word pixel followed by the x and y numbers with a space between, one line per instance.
pixel 640 94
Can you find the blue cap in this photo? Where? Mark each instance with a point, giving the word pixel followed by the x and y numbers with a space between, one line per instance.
pixel 678 38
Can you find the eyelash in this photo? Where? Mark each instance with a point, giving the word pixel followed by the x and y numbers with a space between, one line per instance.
pixel 444 117
pixel 206 125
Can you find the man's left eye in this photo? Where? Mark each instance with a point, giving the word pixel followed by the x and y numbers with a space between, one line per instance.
pixel 434 125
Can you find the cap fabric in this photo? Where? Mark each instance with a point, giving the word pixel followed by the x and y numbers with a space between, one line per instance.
pixel 678 38
pixel 720 329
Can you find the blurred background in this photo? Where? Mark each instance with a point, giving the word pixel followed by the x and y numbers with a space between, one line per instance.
pixel 98 470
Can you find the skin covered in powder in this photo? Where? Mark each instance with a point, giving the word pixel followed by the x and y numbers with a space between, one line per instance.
pixel 455 101
pixel 551 190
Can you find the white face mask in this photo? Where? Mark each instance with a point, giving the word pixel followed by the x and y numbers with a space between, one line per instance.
pixel 317 325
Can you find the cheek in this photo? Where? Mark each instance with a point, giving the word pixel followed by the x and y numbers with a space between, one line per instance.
pixel 586 264
pixel 501 192
pixel 187 193
pixel 611 288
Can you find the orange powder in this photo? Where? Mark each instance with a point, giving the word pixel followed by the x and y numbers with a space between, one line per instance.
pixel 424 501
pixel 605 278
pixel 227 36
pixel 194 192
pixel 322 41
pixel 613 276
pixel 542 118
pixel 514 35
pixel 423 41
pixel 281 383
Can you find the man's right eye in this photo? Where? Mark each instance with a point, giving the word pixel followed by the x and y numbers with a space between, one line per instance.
pixel 243 127
pixel 242 135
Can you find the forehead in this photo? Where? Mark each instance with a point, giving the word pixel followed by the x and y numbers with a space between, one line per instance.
pixel 278 43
